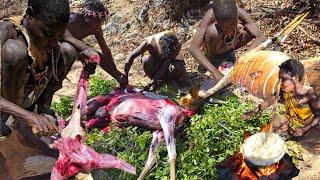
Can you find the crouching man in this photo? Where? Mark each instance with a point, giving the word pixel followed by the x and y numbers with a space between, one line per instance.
pixel 160 59
pixel 36 54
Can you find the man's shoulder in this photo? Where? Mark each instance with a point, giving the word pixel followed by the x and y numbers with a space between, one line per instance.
pixel 11 45
pixel 6 26
pixel 7 31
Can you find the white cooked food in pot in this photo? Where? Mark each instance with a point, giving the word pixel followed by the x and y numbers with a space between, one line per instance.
pixel 261 152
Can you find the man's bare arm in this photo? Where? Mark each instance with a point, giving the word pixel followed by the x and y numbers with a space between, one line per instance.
pixel 42 123
pixel 195 47
pixel 134 54
pixel 314 103
pixel 144 46
pixel 79 45
pixel 251 28
pixel 107 63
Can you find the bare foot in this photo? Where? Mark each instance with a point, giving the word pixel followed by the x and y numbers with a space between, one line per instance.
pixel 316 146
pixel 283 128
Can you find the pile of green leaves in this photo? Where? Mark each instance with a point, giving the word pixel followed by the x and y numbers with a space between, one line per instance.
pixel 215 132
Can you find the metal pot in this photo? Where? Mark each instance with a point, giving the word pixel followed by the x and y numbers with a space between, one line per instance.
pixel 260 152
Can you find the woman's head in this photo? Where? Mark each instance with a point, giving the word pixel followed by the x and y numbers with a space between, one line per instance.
pixel 291 73
pixel 47 21
pixel 169 46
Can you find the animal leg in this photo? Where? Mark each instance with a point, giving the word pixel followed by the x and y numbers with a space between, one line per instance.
pixel 156 140
pixel 168 117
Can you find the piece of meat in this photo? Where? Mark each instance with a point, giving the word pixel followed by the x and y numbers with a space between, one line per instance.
pixel 142 109
pixel 134 109
pixel 76 157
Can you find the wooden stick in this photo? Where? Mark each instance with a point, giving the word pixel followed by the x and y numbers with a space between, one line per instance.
pixel 285 31
pixel 314 39
pixel 274 109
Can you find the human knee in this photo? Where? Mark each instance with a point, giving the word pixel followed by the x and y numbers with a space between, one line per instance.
pixel 14 54
pixel 179 68
pixel 148 66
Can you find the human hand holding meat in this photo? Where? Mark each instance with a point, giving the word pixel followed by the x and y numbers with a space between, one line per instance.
pixel 89 59
pixel 42 125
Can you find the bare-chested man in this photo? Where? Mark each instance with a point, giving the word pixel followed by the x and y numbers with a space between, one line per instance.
pixel 161 61
pixel 88 22
pixel 36 54
pixel 224 29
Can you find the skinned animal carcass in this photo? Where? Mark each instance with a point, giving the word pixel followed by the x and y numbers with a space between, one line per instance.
pixel 257 72
pixel 142 109
pixel 74 156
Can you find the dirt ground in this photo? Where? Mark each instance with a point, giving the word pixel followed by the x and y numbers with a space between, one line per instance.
pixel 310 167
pixel 271 16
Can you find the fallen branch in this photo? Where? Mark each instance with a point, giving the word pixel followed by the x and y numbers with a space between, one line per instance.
pixel 314 39
pixel 282 35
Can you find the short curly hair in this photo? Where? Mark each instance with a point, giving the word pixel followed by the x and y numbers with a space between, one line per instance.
pixel 225 9
pixel 169 44
pixel 96 6
pixel 50 11
pixel 293 67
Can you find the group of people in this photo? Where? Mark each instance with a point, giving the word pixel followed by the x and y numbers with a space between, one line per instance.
pixel 39 48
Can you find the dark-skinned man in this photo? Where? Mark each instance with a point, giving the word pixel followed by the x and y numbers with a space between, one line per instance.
pixel 224 29
pixel 37 52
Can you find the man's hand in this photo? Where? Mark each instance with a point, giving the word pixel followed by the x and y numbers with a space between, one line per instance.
pixel 44 124
pixel 152 85
pixel 123 82
pixel 217 76
pixel 299 132
pixel 90 59
pixel 246 116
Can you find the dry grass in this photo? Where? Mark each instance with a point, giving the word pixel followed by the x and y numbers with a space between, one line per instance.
pixel 12 7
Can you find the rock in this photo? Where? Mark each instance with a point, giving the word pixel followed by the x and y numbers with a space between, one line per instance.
pixel 125 27
pixel 120 57
pixel 166 24
pixel 112 28
pixel 143 15
pixel 185 22
pixel 115 19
